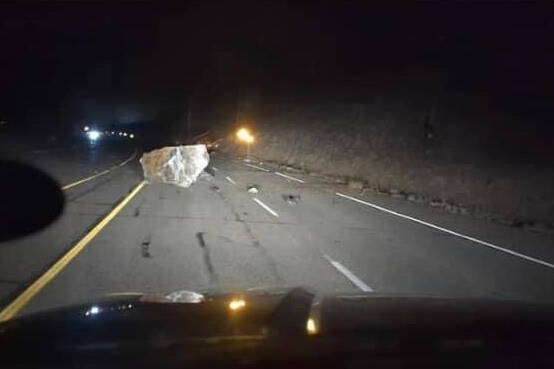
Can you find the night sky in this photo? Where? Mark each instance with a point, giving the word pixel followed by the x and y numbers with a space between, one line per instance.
pixel 63 64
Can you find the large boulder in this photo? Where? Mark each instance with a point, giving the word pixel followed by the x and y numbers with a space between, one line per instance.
pixel 178 165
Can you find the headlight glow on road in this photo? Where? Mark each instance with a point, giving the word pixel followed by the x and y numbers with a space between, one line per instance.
pixel 93 135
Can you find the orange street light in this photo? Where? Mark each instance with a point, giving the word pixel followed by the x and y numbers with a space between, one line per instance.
pixel 244 135
pixel 237 304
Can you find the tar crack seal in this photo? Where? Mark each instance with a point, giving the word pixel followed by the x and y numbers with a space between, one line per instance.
pixel 206 255
pixel 145 247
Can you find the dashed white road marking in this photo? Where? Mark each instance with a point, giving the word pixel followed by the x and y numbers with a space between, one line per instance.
pixel 230 180
pixel 469 238
pixel 257 167
pixel 289 177
pixel 265 207
pixel 215 169
pixel 348 274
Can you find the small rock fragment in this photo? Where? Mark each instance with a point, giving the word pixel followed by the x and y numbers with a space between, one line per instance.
pixel 291 199
pixel 252 188
pixel 436 202
pixel 356 185
pixel 205 177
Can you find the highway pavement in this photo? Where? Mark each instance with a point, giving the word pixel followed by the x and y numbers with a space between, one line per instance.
pixel 298 229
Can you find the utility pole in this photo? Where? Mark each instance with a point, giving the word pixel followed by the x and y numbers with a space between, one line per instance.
pixel 189 127
pixel 237 111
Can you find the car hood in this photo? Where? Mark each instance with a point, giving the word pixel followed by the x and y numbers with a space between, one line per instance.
pixel 206 320
pixel 267 311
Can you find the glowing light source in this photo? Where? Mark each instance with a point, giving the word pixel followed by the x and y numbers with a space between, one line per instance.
pixel 237 304
pixel 93 135
pixel 244 135
pixel 311 327
pixel 131 136
pixel 86 128
pixel 93 310
pixel 125 134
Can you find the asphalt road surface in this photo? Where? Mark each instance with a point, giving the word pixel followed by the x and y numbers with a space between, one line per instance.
pixel 297 230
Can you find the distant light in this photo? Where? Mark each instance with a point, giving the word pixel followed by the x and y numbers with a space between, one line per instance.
pixel 244 135
pixel 113 133
pixel 93 310
pixel 120 133
pixel 132 135
pixel 237 304
pixel 93 135
pixel 311 328
pixel 86 128
pixel 125 134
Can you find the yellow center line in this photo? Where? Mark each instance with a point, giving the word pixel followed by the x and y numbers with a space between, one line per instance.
pixel 68 186
pixel 26 296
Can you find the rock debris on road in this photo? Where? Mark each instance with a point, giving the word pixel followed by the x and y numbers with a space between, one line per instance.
pixel 216 234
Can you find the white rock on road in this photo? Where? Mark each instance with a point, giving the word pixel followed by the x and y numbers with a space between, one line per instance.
pixel 177 165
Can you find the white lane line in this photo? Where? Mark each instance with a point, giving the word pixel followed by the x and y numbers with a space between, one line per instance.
pixel 215 169
pixel 230 180
pixel 469 238
pixel 265 207
pixel 255 166
pixel 68 186
pixel 289 177
pixel 128 160
pixel 348 274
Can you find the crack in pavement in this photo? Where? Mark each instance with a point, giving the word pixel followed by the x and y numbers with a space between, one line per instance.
pixel 207 259
pixel 136 211
pixel 254 241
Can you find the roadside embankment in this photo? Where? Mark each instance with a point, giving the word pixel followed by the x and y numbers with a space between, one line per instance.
pixel 442 155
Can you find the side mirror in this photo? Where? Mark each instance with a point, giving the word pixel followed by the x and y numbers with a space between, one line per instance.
pixel 29 200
